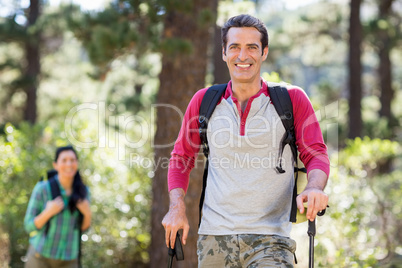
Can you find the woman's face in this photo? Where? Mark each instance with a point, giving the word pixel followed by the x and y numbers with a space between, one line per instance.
pixel 66 164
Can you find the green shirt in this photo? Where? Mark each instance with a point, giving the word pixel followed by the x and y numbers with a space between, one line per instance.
pixel 62 240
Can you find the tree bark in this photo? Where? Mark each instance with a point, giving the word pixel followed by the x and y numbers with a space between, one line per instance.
pixel 32 56
pixel 181 76
pixel 221 71
pixel 385 74
pixel 385 69
pixel 355 70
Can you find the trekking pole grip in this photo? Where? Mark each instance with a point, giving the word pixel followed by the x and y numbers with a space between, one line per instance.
pixel 311 228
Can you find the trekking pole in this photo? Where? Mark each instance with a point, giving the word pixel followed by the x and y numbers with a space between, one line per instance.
pixel 170 257
pixel 176 251
pixel 311 234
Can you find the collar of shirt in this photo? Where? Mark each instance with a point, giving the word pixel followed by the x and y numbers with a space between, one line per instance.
pixel 263 90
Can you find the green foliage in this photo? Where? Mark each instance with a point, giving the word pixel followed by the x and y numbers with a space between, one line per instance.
pixel 229 8
pixel 133 84
pixel 21 165
pixel 205 18
pixel 15 36
pixel 361 226
pixel 385 26
pixel 120 189
pixel 272 77
pixel 325 92
pixel 307 47
pixel 123 28
pixel 174 46
pixel 364 156
pixel 119 235
pixel 11 31
pixel 376 126
pixel 177 5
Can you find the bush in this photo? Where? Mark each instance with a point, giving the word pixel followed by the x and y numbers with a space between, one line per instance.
pixel 361 227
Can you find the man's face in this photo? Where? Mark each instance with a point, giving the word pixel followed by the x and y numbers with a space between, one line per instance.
pixel 244 54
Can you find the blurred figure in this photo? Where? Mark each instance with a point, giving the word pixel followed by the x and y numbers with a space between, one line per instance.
pixel 58 212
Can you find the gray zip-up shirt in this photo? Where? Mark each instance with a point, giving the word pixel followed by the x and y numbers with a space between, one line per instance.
pixel 244 193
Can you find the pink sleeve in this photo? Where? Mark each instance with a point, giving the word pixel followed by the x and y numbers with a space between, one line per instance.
pixel 313 151
pixel 187 145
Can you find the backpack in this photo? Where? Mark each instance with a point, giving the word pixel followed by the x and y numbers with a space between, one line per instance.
pixel 281 100
pixel 55 191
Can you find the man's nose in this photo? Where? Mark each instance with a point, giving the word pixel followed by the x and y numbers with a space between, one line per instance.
pixel 243 54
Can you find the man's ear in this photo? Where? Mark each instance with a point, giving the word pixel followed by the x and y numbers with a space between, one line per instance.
pixel 265 53
pixel 54 165
pixel 224 54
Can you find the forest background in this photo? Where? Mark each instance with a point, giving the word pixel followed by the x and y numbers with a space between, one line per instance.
pixel 114 81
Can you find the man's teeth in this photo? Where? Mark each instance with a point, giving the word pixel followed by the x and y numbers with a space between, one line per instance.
pixel 243 65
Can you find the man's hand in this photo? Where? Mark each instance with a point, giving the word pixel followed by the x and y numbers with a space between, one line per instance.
pixel 316 200
pixel 314 195
pixel 55 206
pixel 176 218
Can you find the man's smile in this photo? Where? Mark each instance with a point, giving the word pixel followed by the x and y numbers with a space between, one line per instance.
pixel 243 65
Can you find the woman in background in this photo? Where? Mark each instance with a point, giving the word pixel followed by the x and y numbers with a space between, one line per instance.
pixel 58 211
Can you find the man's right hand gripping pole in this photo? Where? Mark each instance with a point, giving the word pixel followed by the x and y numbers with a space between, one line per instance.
pixel 176 218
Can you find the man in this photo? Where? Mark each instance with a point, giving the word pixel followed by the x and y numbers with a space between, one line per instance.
pixel 245 221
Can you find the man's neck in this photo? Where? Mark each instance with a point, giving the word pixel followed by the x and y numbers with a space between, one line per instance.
pixel 244 91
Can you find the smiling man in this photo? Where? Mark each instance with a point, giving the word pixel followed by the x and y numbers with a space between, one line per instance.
pixel 245 220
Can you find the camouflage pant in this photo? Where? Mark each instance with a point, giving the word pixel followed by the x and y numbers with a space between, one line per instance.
pixel 245 250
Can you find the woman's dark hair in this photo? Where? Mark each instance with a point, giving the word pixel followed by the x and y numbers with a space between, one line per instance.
pixel 244 21
pixel 79 188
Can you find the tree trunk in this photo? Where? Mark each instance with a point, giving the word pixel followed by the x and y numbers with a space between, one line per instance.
pixel 221 71
pixel 385 69
pixel 385 75
pixel 355 70
pixel 32 70
pixel 182 75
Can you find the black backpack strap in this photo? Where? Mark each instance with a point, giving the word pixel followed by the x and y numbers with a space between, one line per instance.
pixel 55 191
pixel 204 186
pixel 54 187
pixel 283 106
pixel 208 104
pixel 79 223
